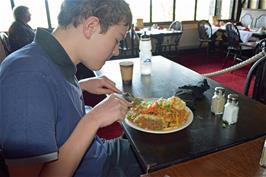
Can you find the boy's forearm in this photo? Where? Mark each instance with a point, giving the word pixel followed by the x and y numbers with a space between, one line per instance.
pixel 71 153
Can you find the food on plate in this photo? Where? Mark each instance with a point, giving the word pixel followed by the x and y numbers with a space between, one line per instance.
pixel 160 114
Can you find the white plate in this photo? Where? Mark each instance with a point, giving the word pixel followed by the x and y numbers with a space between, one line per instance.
pixel 188 122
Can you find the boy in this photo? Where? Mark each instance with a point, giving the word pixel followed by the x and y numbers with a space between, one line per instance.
pixel 44 130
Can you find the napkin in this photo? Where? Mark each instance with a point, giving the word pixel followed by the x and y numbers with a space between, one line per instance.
pixel 191 93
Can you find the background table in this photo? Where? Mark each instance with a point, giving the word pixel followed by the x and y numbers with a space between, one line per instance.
pixel 159 35
pixel 245 35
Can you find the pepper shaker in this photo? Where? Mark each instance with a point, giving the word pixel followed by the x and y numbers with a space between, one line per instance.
pixel 218 100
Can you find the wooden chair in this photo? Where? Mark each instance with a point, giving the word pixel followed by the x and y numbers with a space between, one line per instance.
pixel 235 46
pixel 2 53
pixel 258 70
pixel 5 43
pixel 205 35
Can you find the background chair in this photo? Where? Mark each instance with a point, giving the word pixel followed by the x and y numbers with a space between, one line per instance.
pixel 4 46
pixel 235 46
pixel 129 47
pixel 258 70
pixel 3 167
pixel 4 41
pixel 260 21
pixel 205 35
pixel 176 25
pixel 170 42
pixel 246 20
pixel 2 53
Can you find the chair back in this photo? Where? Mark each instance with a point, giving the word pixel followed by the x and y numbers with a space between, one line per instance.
pixel 204 30
pixel 246 20
pixel 2 53
pixel 233 36
pixel 129 47
pixel 260 21
pixel 258 70
pixel 170 42
pixel 261 46
pixel 176 25
pixel 5 43
pixel 259 90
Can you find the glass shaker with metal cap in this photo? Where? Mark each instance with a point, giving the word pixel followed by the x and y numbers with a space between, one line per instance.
pixel 218 101
pixel 231 109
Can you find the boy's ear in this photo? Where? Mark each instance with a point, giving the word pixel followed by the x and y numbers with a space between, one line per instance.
pixel 90 26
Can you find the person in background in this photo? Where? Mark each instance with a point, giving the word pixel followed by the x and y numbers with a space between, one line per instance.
pixel 20 33
pixel 44 129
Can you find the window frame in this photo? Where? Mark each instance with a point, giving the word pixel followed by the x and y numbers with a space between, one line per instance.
pixel 175 3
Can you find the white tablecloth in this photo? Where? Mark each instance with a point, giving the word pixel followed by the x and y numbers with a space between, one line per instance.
pixel 244 35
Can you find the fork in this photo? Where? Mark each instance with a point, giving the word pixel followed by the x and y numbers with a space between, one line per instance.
pixel 128 96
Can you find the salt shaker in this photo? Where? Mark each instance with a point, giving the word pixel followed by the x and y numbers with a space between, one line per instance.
pixel 218 101
pixel 231 109
pixel 263 156
pixel 145 54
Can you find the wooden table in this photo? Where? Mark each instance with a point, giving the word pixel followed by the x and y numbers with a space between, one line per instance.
pixel 204 136
pixel 238 161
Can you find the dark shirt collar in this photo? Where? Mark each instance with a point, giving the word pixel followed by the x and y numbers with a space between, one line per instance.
pixel 57 54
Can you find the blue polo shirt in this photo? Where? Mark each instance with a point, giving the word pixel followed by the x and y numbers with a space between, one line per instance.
pixel 41 103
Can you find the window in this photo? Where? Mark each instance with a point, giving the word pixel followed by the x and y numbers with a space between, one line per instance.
pixel 226 9
pixel 54 9
pixel 254 4
pixel 162 10
pixel 263 4
pixel 205 9
pixel 184 10
pixel 37 10
pixel 6 15
pixel 140 9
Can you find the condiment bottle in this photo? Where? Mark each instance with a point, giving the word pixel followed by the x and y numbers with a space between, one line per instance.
pixel 263 156
pixel 145 54
pixel 231 109
pixel 218 101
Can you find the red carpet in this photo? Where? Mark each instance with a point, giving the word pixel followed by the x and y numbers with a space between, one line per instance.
pixel 200 63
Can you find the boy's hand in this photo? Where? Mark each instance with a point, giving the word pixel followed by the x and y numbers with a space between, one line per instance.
pixel 110 110
pixel 99 85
